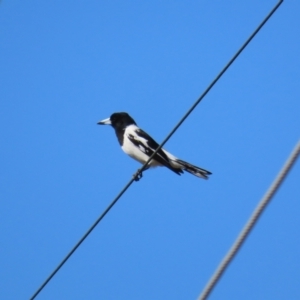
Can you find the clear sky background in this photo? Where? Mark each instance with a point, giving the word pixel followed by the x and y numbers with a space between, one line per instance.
pixel 64 65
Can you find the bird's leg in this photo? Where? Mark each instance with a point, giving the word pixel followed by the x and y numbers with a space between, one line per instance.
pixel 138 175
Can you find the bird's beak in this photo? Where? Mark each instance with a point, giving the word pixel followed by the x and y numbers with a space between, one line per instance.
pixel 105 122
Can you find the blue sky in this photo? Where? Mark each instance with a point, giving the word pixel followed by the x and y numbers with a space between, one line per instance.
pixel 65 66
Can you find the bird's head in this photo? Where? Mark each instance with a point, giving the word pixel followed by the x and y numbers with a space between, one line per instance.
pixel 118 120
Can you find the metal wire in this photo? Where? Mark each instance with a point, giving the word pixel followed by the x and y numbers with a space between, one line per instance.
pixel 214 82
pixel 251 222
pixel 160 146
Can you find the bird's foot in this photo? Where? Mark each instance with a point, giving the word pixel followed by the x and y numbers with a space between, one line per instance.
pixel 138 175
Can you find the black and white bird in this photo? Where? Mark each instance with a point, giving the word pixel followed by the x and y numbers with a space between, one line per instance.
pixel 140 146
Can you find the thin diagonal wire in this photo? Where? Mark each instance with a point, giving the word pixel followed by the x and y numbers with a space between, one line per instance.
pixel 214 82
pixel 161 145
pixel 251 222
pixel 82 239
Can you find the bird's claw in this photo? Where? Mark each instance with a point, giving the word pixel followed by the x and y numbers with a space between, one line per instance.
pixel 138 175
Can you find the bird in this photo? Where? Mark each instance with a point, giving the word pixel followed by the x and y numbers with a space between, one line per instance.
pixel 140 146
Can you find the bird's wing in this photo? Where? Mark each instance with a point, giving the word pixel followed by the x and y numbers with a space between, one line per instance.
pixel 148 145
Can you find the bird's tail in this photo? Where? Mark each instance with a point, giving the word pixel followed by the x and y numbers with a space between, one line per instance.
pixel 199 172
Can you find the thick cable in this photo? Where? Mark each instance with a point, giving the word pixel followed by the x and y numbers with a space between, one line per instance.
pixel 160 146
pixel 250 223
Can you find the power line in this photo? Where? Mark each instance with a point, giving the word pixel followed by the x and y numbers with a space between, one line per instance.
pixel 160 146
pixel 251 222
